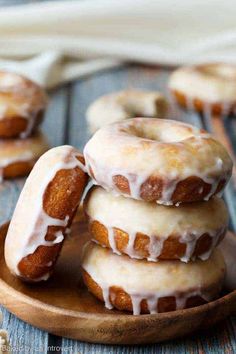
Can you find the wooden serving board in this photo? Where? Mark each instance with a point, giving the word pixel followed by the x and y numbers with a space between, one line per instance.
pixel 63 306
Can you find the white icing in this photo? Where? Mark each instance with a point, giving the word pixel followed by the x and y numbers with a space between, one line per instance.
pixel 30 126
pixel 155 247
pixel 206 83
pixel 30 222
pixel 152 281
pixel 188 222
pixel 17 150
pixel 105 294
pixel 20 97
pixel 142 147
pixel 125 104
pixel 111 239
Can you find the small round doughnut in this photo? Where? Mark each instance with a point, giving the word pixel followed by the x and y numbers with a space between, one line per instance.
pixel 160 160
pixel 18 156
pixel 148 287
pixel 206 88
pixel 148 230
pixel 22 105
pixel 125 104
pixel 44 212
pixel 228 249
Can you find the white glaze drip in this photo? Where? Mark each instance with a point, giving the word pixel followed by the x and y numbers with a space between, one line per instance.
pixel 30 204
pixel 152 304
pixel 21 97
pixel 106 297
pixel 152 300
pixel 130 249
pixel 149 281
pixel 30 126
pixel 155 247
pixel 206 83
pixel 112 241
pixel 149 157
pixel 187 222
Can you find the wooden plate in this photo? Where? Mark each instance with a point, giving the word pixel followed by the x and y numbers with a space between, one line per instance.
pixel 64 307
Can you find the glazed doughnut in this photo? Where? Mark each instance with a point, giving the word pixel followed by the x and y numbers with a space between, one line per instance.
pixel 158 160
pixel 228 249
pixel 148 230
pixel 22 105
pixel 44 212
pixel 205 88
pixel 125 104
pixel 148 287
pixel 17 156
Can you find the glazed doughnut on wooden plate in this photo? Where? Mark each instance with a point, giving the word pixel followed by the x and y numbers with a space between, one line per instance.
pixel 206 88
pixel 17 156
pixel 158 160
pixel 125 104
pixel 22 105
pixel 44 212
pixel 148 230
pixel 150 287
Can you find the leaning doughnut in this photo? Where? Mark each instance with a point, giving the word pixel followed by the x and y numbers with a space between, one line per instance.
pixel 22 105
pixel 158 160
pixel 205 88
pixel 228 249
pixel 149 287
pixel 17 156
pixel 125 104
pixel 148 230
pixel 44 212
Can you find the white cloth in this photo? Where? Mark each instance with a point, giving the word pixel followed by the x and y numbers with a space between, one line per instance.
pixel 50 41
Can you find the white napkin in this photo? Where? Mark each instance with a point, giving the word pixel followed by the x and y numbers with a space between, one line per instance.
pixel 53 42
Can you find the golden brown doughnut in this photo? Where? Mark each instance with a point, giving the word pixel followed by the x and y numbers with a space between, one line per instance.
pixel 205 88
pixel 148 287
pixel 17 156
pixel 44 211
pixel 148 230
pixel 160 160
pixel 22 105
pixel 125 104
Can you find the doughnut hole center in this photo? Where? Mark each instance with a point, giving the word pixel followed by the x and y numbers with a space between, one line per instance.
pixel 164 133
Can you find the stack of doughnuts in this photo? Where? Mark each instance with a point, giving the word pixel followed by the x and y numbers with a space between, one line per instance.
pixel 22 106
pixel 156 211
pixel 154 214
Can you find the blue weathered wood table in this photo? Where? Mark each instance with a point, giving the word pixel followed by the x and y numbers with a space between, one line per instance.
pixel 65 124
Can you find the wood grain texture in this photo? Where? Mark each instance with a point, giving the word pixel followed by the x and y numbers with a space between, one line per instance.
pixel 65 123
